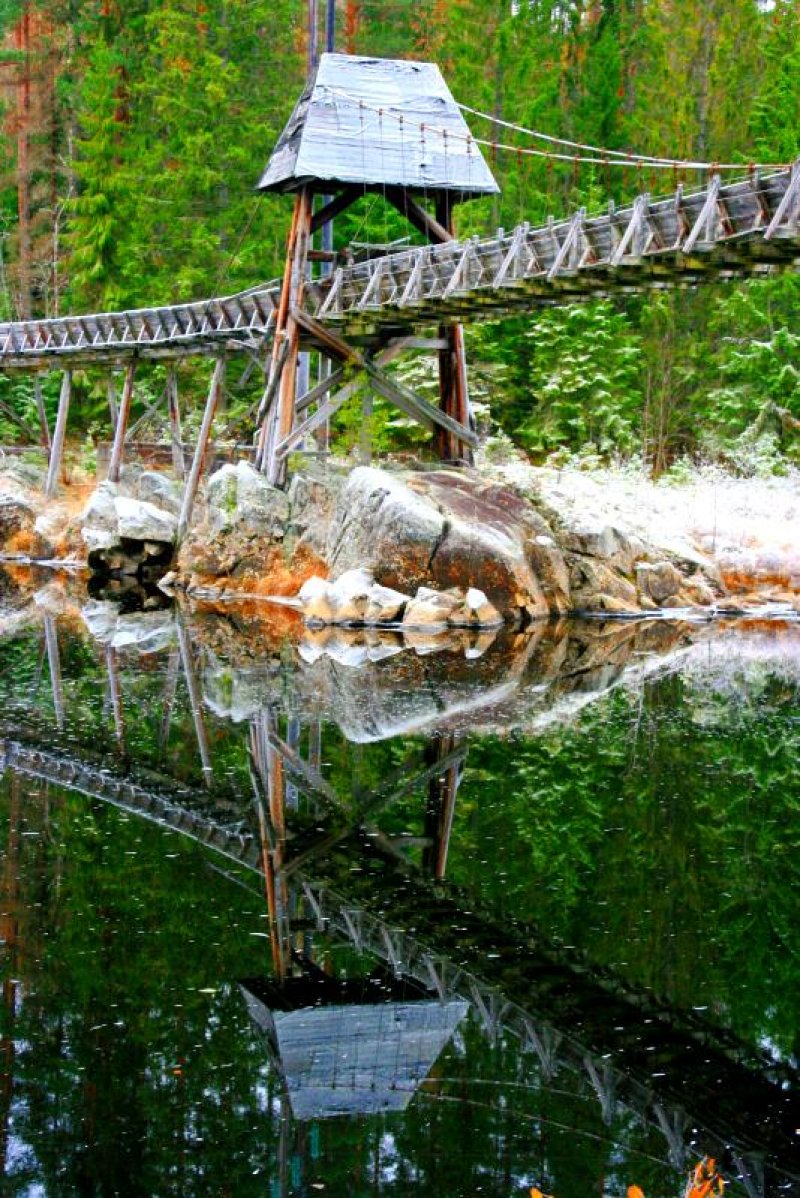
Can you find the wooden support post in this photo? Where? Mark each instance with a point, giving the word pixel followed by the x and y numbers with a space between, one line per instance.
pixel 193 481
pixel 453 393
pixel 43 425
pixel 278 423
pixel 178 463
pixel 113 410
pixel 59 435
pixel 115 465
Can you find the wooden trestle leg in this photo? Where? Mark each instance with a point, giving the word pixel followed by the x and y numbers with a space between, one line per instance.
pixel 453 393
pixel 278 419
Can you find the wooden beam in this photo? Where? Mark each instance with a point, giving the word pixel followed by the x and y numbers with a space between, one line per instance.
pixel 338 204
pixel 11 415
pixel 416 215
pixel 176 437
pixel 193 481
pixel 59 435
pixel 415 406
pixel 316 393
pixel 324 412
pixel 115 464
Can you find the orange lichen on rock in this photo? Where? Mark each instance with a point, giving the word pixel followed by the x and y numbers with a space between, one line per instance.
pixel 740 581
pixel 275 574
pixel 23 543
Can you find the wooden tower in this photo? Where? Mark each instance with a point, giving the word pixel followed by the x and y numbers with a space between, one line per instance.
pixel 366 125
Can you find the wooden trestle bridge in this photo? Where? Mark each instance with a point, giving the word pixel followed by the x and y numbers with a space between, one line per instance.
pixel 361 315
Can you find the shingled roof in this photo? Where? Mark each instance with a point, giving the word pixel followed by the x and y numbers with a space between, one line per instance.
pixel 373 122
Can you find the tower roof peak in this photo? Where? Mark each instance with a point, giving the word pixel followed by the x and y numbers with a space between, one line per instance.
pixel 378 122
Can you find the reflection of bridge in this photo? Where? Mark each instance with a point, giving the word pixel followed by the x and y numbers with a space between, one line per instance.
pixel 560 1013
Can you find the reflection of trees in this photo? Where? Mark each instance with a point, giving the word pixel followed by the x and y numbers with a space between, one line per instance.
pixel 594 831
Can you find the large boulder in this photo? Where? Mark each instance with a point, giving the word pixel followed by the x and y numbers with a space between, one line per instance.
pixel 446 529
pixel 16 515
pixel 238 495
pixel 658 581
pixel 241 543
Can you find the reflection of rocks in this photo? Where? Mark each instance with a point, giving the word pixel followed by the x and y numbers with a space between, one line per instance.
pixel 142 631
pixel 377 684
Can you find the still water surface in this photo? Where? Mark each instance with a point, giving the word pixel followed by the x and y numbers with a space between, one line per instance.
pixel 364 919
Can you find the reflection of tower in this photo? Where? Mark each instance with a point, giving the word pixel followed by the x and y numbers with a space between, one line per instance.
pixel 344 1046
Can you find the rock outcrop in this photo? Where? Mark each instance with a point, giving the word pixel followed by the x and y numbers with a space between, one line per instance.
pixel 412 546
pixel 444 529
pixel 126 534
pixel 243 540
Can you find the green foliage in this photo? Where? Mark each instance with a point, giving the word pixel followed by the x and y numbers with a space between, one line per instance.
pixel 152 121
pixel 567 377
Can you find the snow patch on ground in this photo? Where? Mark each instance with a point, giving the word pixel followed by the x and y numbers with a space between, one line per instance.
pixel 750 526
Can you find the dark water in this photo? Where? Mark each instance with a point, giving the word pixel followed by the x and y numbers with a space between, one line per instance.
pixel 283 921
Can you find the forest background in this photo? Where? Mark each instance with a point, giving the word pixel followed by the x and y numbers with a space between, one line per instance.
pixel 132 135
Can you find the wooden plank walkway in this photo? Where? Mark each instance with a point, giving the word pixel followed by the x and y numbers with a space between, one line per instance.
pixel 180 330
pixel 746 228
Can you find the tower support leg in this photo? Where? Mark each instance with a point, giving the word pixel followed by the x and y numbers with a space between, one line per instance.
pixel 282 385
pixel 453 393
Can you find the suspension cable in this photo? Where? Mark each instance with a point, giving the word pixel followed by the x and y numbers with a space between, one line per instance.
pixel 597 156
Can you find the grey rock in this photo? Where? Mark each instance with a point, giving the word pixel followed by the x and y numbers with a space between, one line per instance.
pixel 385 605
pixel 16 515
pixel 99 540
pixel 432 609
pixel 658 580
pixel 160 489
pixel 314 595
pixel 476 610
pixel 379 522
pixel 142 521
pixel 238 496
pixel 349 595
pixel 100 510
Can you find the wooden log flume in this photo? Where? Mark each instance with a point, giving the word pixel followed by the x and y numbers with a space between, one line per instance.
pixel 740 229
pixel 745 228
